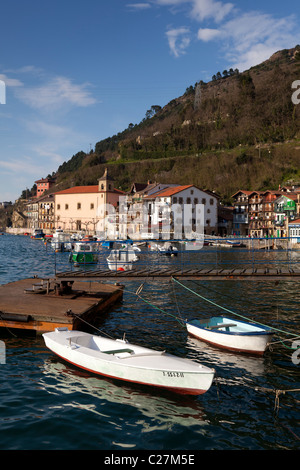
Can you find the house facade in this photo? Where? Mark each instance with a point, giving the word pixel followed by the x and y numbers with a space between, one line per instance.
pixel 43 185
pixel 86 207
pixel 294 231
pixel 265 213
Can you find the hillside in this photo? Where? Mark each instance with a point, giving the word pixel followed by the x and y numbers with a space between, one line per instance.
pixel 241 130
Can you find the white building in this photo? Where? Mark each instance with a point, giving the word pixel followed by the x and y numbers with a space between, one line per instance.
pixel 171 212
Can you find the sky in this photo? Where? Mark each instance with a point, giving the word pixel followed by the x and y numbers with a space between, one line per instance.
pixel 73 73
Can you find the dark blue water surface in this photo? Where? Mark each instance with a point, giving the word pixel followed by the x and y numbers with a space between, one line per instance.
pixel 46 404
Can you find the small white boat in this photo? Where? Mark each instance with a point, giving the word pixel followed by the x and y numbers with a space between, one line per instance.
pixel 231 334
pixel 167 249
pixel 61 241
pixel 121 360
pixel 121 260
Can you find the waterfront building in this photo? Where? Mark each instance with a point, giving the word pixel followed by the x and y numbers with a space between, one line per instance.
pixel 86 207
pixel 43 185
pixel 241 213
pixel 32 214
pixel 46 217
pixel 165 206
pixel 255 203
pixel 294 231
pixel 285 209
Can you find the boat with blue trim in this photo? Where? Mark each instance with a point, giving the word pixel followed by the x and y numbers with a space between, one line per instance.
pixel 233 335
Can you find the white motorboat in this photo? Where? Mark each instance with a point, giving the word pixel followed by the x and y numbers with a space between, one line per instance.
pixel 119 359
pixel 121 260
pixel 168 249
pixel 233 335
pixel 61 241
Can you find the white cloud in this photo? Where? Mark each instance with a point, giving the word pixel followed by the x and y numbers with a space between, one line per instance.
pixel 178 40
pixel 13 82
pixel 204 9
pixel 139 6
pixel 57 94
pixel 207 34
pixel 246 38
pixel 253 37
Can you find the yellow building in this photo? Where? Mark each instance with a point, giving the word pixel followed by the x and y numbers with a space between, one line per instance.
pixel 86 207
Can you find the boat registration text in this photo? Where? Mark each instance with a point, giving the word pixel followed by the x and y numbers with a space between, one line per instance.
pixel 173 374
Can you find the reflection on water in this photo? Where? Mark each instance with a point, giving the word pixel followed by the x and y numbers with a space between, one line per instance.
pixel 239 364
pixel 164 409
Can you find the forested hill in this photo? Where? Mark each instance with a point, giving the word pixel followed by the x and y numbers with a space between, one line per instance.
pixel 240 130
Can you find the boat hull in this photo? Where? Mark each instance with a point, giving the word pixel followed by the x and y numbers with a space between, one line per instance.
pixel 141 365
pixel 240 337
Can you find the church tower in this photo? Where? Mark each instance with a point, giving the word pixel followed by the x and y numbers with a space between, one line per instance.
pixel 105 185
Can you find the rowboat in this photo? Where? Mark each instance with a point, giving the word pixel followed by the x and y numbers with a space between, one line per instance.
pixel 121 360
pixel 226 333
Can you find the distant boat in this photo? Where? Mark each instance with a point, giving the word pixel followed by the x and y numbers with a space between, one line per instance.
pixel 234 243
pixel 226 333
pixel 38 234
pixel 61 241
pixel 84 253
pixel 167 249
pixel 121 260
pixel 119 359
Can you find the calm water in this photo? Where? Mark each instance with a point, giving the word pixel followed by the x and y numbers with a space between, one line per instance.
pixel 46 404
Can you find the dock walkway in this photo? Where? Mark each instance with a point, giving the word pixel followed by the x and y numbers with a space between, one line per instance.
pixel 42 304
pixel 206 274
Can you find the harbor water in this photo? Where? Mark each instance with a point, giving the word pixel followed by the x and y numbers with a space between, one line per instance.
pixel 253 404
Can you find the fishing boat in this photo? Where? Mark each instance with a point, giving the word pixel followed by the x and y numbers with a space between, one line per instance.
pixel 84 253
pixel 119 359
pixel 38 234
pixel 121 260
pixel 61 241
pixel 226 333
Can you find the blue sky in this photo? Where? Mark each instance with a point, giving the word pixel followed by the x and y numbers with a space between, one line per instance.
pixel 77 72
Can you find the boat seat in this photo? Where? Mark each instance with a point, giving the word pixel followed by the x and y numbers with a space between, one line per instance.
pixel 222 325
pixel 115 351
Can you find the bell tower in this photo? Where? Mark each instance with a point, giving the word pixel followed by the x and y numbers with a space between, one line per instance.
pixel 105 183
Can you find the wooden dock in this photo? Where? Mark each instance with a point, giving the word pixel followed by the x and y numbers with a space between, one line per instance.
pixel 43 304
pixel 209 274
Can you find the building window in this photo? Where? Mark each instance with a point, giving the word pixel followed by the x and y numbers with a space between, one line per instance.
pixel 92 205
pixel 78 205
pixel 66 207
pixel 188 200
pixel 211 201
pixel 204 201
pixel 175 200
pixel 58 207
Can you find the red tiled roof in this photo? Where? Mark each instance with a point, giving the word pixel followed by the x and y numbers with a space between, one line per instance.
pixel 85 189
pixel 169 191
